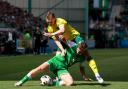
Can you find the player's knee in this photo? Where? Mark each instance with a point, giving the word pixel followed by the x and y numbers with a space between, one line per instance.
pixel 33 73
pixel 69 83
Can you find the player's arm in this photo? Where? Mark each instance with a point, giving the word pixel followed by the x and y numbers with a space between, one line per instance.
pixel 60 46
pixel 82 71
pixel 59 32
pixel 58 43
pixel 56 40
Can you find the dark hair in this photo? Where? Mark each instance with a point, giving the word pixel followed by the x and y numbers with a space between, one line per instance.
pixel 83 45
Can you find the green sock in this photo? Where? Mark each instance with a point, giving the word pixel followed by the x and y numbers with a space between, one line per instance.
pixel 57 83
pixel 25 79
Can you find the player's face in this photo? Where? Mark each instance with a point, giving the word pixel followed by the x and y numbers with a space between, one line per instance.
pixel 50 20
pixel 80 50
pixel 37 27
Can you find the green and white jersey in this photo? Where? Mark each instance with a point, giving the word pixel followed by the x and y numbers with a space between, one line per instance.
pixel 71 57
pixel 59 62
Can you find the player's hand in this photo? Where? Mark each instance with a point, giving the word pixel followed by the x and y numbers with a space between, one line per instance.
pixel 63 53
pixel 47 34
pixel 88 79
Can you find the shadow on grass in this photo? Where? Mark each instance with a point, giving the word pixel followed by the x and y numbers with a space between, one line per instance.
pixel 76 84
pixel 103 84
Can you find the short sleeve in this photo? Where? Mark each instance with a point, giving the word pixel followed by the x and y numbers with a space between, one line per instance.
pixel 61 21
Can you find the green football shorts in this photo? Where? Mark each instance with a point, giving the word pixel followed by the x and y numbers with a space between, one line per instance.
pixel 58 65
pixel 79 39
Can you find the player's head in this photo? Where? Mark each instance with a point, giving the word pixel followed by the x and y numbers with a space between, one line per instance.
pixel 82 47
pixel 50 18
pixel 38 28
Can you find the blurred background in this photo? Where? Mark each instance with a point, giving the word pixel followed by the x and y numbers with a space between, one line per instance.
pixel 103 23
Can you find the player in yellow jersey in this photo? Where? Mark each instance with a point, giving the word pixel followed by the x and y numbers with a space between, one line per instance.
pixel 60 29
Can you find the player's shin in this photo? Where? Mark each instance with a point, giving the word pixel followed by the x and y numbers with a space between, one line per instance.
pixel 23 80
pixel 26 78
pixel 94 68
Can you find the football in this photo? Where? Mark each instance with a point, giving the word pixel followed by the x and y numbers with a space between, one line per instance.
pixel 46 80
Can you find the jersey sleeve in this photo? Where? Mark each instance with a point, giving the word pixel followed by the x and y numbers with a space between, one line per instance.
pixel 50 30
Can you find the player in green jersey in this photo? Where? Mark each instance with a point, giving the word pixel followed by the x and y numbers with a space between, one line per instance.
pixel 59 65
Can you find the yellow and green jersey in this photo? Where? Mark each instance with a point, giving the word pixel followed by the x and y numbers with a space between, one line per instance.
pixel 70 32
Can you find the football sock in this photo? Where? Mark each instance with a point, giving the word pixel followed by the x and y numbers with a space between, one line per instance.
pixel 93 66
pixel 58 83
pixel 26 78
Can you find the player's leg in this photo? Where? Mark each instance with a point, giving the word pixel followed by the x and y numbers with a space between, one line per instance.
pixel 33 73
pixel 91 61
pixel 64 78
pixel 93 66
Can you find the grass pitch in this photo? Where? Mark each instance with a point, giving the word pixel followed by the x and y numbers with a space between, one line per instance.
pixel 77 85
pixel 112 65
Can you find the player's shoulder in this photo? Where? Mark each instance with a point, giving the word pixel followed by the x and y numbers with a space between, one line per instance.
pixel 61 21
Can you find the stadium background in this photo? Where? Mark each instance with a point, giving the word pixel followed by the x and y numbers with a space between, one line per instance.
pixel 102 22
pixel 73 11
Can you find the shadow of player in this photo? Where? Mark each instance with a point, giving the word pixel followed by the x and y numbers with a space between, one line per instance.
pixel 103 84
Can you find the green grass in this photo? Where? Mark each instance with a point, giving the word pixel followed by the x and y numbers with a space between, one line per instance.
pixel 77 85
pixel 112 65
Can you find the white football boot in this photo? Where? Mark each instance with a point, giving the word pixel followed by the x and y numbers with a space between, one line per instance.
pixel 18 84
pixel 99 79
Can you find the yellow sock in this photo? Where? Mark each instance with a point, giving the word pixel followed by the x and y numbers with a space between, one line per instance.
pixel 93 66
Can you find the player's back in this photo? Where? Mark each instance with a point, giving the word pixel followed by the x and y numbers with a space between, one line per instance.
pixel 71 57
